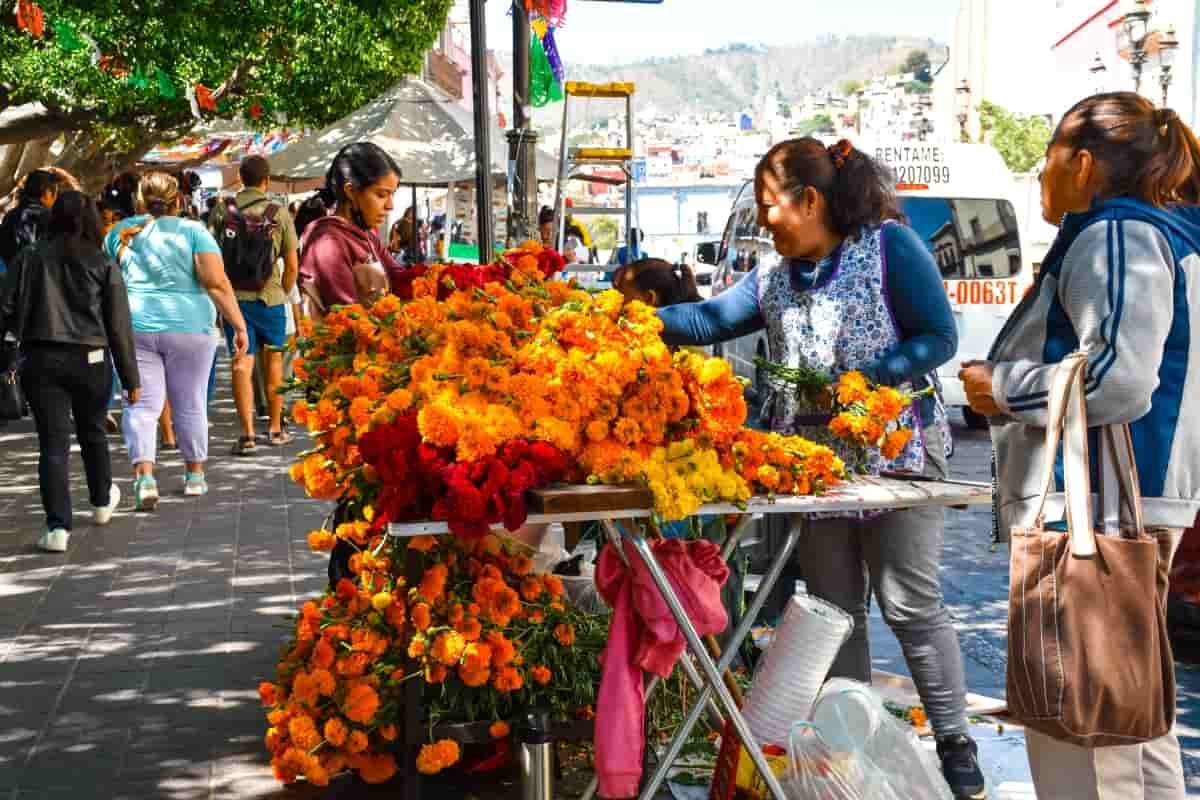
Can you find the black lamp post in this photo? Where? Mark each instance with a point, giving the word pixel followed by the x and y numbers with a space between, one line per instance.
pixel 1135 30
pixel 1168 45
pixel 1097 69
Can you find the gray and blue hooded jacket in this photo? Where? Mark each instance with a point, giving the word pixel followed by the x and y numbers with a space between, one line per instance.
pixel 1121 282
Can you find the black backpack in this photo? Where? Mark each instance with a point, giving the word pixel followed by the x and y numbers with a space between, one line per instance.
pixel 248 247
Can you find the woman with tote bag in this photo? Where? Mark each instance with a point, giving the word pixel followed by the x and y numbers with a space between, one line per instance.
pixel 1121 182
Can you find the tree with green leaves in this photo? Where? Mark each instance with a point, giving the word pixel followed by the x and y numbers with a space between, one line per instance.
pixel 1020 140
pixel 820 123
pixel 110 78
pixel 919 65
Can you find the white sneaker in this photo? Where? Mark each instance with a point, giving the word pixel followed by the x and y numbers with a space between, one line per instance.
pixel 54 541
pixel 194 484
pixel 102 515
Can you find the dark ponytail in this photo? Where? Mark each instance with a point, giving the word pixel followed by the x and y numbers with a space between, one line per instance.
pixel 1143 152
pixel 311 210
pixel 361 164
pixel 75 220
pixel 858 190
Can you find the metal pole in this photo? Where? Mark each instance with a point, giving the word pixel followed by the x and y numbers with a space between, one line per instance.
pixel 522 140
pixel 415 233
pixel 483 126
pixel 708 668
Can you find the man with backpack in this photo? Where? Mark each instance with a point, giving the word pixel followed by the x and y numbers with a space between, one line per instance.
pixel 255 234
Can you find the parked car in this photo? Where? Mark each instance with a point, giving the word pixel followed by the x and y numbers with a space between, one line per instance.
pixel 954 196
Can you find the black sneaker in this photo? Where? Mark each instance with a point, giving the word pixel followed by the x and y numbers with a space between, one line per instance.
pixel 960 766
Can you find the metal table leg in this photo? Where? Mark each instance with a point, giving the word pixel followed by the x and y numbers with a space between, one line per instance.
pixel 743 630
pixel 709 669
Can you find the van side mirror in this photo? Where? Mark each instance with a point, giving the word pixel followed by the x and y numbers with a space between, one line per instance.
pixel 706 253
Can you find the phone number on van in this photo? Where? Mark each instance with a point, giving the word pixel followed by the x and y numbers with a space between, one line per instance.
pixel 921 174
pixel 982 292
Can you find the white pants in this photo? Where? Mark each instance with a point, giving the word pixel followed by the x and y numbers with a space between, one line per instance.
pixel 1150 771
pixel 1061 771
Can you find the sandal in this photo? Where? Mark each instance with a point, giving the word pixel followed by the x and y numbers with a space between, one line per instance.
pixel 245 446
pixel 280 438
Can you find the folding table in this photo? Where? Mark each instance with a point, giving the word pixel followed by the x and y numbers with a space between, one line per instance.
pixel 609 504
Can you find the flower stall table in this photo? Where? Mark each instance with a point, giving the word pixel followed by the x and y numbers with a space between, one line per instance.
pixel 608 504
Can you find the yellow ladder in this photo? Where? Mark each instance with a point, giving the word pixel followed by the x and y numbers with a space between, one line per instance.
pixel 576 163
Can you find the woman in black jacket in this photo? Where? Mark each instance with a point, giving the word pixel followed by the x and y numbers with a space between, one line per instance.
pixel 65 301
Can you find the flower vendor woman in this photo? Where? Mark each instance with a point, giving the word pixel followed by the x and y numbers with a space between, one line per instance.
pixel 857 290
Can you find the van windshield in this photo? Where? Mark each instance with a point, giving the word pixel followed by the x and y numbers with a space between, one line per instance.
pixel 969 239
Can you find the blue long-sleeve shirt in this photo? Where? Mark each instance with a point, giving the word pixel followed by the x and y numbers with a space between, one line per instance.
pixel 915 292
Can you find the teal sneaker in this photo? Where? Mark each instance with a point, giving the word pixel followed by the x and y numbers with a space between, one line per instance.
pixel 145 493
pixel 194 484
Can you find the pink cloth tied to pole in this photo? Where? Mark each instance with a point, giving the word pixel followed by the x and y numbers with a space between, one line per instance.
pixel 644 637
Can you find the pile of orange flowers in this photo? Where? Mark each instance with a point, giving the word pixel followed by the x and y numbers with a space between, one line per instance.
pixel 487 356
pixel 485 633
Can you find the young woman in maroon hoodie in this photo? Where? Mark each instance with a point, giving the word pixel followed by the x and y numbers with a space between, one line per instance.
pixel 342 260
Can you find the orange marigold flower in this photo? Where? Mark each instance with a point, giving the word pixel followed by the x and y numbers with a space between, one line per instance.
pixel 323 654
pixel 433 582
pixel 269 693
pixel 531 589
pixel 356 742
pixel 895 443
pixel 416 648
pixel 361 704
pixel 377 768
pixel 565 634
pixel 554 585
pixel 457 614
pixel 503 650
pixel 507 679
pixel 474 678
pixel 422 544
pixel 420 616
pixel 273 740
pixel 353 666
pixel 537 616
pixel 448 751
pixel 324 681
pixel 541 674
pixel 336 731
pixel 303 732
pixel 597 430
pixel 388 732
pixel 321 541
pixel 498 730
pixel 521 565
pixel 436 673
pixel 448 648
pixel 471 629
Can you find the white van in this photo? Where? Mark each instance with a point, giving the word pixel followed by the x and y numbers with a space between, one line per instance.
pixel 958 198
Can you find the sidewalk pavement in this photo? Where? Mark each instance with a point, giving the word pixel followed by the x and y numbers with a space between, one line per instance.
pixel 129 666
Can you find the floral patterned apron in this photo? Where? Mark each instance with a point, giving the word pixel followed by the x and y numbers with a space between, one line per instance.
pixel 842 323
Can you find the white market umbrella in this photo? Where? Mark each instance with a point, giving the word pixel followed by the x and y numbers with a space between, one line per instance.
pixel 429 135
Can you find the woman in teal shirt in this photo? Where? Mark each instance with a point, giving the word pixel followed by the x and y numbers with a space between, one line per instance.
pixel 177 284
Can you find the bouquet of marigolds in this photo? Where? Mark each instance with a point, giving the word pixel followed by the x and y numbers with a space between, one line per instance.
pixel 485 634
pixel 864 416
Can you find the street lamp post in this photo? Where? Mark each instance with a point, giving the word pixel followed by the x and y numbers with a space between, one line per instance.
pixel 962 100
pixel 1135 30
pixel 860 94
pixel 1168 44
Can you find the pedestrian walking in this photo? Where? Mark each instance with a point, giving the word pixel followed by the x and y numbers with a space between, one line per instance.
pixel 65 301
pixel 1121 182
pixel 857 290
pixel 174 274
pixel 342 260
pixel 27 223
pixel 261 254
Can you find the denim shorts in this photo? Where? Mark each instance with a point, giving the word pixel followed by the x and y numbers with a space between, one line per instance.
pixel 265 325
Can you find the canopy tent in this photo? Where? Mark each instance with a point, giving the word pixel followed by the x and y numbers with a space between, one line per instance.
pixel 429 136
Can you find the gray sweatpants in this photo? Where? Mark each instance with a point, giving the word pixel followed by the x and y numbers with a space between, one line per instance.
pixel 896 557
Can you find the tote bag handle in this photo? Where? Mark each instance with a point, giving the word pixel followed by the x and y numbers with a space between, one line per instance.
pixel 1067 423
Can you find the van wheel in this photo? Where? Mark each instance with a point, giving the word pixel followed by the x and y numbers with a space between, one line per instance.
pixel 976 422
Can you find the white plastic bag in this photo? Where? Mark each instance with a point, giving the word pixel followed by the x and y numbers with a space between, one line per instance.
pixel 816 772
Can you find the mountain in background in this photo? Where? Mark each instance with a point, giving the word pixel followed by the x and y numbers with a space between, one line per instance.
pixel 741 76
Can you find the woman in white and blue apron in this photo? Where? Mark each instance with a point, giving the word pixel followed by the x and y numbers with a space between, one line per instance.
pixel 857 290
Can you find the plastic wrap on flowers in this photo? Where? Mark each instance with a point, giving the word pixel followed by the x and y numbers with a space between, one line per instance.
pixel 486 635
pixel 476 384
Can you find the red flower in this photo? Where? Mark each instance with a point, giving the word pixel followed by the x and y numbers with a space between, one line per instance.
pixel 550 262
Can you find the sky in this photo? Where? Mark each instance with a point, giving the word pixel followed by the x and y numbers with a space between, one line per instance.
pixel 598 32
